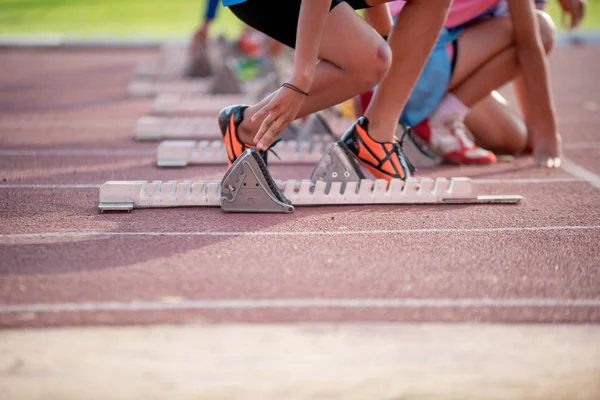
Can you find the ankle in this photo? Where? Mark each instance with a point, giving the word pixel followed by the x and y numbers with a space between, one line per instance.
pixel 381 130
pixel 245 133
pixel 245 129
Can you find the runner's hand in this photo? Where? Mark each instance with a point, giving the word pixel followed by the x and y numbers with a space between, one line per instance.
pixel 547 151
pixel 573 8
pixel 278 113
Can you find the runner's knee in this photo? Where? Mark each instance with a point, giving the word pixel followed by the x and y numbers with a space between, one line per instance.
pixel 373 70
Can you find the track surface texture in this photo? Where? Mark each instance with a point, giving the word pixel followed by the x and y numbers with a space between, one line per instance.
pixel 67 125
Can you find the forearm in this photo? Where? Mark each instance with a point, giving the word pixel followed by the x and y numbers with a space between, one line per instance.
pixel 536 79
pixel 311 22
pixel 534 67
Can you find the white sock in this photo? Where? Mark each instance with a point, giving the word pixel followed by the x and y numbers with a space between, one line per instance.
pixel 450 105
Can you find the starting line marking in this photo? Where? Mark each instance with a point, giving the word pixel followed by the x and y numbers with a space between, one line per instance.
pixel 78 152
pixel 300 233
pixel 299 303
pixel 478 181
pixel 581 173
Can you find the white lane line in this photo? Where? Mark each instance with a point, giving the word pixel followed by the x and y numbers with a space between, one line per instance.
pixel 77 152
pixel 581 173
pixel 299 233
pixel 480 181
pixel 65 124
pixel 566 179
pixel 300 303
pixel 36 186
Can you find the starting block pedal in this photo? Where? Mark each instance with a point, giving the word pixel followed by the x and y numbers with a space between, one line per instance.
pixel 181 153
pixel 267 195
pixel 248 187
pixel 415 149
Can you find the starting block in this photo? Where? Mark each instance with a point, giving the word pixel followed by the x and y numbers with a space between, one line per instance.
pixel 211 104
pixel 248 187
pixel 175 62
pixel 150 128
pixel 224 81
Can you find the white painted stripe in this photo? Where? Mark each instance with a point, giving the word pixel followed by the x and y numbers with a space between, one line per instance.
pixel 36 186
pixel 300 233
pixel 580 172
pixel 527 180
pixel 480 181
pixel 18 123
pixel 77 152
pixel 299 303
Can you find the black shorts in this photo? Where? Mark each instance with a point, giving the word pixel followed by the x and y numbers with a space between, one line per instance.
pixel 278 19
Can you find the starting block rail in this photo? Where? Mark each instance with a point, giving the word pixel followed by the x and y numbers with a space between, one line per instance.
pixel 181 153
pixel 198 104
pixel 197 86
pixel 153 128
pixel 127 195
pixel 157 128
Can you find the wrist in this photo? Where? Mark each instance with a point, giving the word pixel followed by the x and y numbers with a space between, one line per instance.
pixel 302 80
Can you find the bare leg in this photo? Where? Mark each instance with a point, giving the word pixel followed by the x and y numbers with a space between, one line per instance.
pixel 412 39
pixel 496 126
pixel 492 122
pixel 341 74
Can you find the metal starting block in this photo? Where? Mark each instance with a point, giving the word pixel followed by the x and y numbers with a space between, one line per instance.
pixel 335 181
pixel 181 153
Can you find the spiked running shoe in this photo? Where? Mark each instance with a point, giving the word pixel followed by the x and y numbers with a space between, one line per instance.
pixel 383 160
pixel 452 140
pixel 230 119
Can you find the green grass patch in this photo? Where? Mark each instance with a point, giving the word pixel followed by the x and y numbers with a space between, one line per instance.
pixel 155 18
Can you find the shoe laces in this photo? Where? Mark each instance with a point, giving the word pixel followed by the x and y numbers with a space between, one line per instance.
pixel 462 133
pixel 270 149
pixel 398 145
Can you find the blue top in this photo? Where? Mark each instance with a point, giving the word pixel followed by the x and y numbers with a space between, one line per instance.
pixel 227 3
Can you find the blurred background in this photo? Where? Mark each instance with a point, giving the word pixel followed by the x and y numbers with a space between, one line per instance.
pixel 149 19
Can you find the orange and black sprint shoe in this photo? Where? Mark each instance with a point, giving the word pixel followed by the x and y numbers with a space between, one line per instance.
pixel 383 160
pixel 230 119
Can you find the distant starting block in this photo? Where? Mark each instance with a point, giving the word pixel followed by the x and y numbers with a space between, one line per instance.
pixel 181 153
pixel 205 128
pixel 247 186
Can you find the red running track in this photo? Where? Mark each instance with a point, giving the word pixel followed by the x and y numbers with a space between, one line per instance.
pixel 63 263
